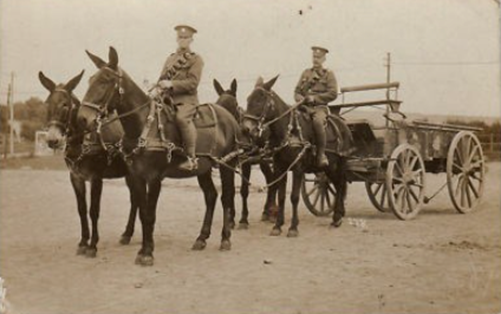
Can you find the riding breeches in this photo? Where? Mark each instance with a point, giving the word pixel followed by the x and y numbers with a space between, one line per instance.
pixel 184 120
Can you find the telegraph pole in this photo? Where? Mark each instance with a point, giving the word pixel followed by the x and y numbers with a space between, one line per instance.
pixel 388 80
pixel 10 105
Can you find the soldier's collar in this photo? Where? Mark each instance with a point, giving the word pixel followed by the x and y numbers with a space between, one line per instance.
pixel 183 50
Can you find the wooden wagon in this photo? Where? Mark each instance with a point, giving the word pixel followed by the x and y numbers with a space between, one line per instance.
pixel 392 160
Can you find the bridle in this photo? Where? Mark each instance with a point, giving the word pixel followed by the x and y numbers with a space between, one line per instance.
pixel 261 120
pixel 103 109
pixel 63 113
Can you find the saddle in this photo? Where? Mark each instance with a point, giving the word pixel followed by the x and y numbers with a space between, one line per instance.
pixel 339 136
pixel 164 134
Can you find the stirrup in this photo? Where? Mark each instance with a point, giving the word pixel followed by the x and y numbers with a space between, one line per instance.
pixel 191 164
pixel 322 161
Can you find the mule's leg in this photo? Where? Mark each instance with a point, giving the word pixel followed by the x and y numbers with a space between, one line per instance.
pixel 210 194
pixel 228 197
pixel 270 207
pixel 338 178
pixel 79 188
pixel 282 185
pixel 148 209
pixel 129 229
pixel 297 179
pixel 244 192
pixel 96 189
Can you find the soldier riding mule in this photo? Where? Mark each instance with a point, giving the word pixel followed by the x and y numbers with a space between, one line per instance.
pixel 289 136
pixel 152 146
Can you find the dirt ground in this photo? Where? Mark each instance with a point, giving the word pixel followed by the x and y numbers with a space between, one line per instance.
pixel 441 262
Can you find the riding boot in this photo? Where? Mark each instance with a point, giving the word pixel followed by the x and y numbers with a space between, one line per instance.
pixel 321 138
pixel 322 160
pixel 189 136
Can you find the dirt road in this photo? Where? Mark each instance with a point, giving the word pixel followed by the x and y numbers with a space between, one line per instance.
pixel 441 262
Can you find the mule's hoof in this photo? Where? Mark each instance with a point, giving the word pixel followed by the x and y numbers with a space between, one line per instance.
pixel 144 260
pixel 91 252
pixel 243 226
pixel 231 224
pixel 124 240
pixel 225 245
pixel 275 232
pixel 199 245
pixel 337 223
pixel 82 250
pixel 292 233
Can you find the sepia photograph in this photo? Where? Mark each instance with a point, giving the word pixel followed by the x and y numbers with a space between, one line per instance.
pixel 236 156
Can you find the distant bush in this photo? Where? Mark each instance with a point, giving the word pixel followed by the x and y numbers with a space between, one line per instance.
pixel 32 113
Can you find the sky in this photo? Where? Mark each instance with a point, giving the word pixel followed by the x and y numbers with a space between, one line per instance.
pixel 444 53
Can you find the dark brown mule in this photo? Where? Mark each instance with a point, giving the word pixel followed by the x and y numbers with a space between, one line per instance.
pixel 94 165
pixel 289 134
pixel 112 89
pixel 228 100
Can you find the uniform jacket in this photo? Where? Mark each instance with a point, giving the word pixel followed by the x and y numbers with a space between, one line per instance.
pixel 319 83
pixel 187 76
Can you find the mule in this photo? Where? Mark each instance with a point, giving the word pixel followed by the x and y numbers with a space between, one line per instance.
pixel 86 159
pixel 288 133
pixel 152 146
pixel 228 100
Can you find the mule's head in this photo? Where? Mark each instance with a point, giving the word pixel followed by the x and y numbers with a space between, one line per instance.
pixel 61 106
pixel 104 88
pixel 228 98
pixel 260 109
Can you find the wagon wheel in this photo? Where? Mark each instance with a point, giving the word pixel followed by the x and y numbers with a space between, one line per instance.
pixel 318 194
pixel 465 171
pixel 377 195
pixel 405 181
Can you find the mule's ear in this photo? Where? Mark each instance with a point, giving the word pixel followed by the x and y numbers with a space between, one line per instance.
pixel 219 89
pixel 97 61
pixel 233 87
pixel 268 85
pixel 46 82
pixel 113 59
pixel 70 86
pixel 259 82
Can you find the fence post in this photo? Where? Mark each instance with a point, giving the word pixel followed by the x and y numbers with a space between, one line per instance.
pixel 492 142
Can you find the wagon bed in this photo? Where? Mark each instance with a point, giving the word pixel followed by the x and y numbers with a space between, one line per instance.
pixel 392 160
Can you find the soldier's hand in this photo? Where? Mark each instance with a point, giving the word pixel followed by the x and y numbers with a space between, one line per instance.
pixel 155 93
pixel 310 99
pixel 165 84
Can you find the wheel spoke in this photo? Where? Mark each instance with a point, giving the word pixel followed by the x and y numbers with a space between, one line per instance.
pixel 399 169
pixel 379 186
pixel 317 196
pixel 472 187
pixel 459 183
pixel 474 176
pixel 457 166
pixel 457 153
pixel 413 162
pixel 328 198
pixel 332 190
pixel 409 202
pixel 413 194
pixel 462 188
pixel 315 187
pixel 383 195
pixel 468 195
pixel 473 152
pixel 322 202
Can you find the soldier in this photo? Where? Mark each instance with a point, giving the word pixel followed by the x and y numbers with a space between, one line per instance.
pixel 317 87
pixel 179 79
